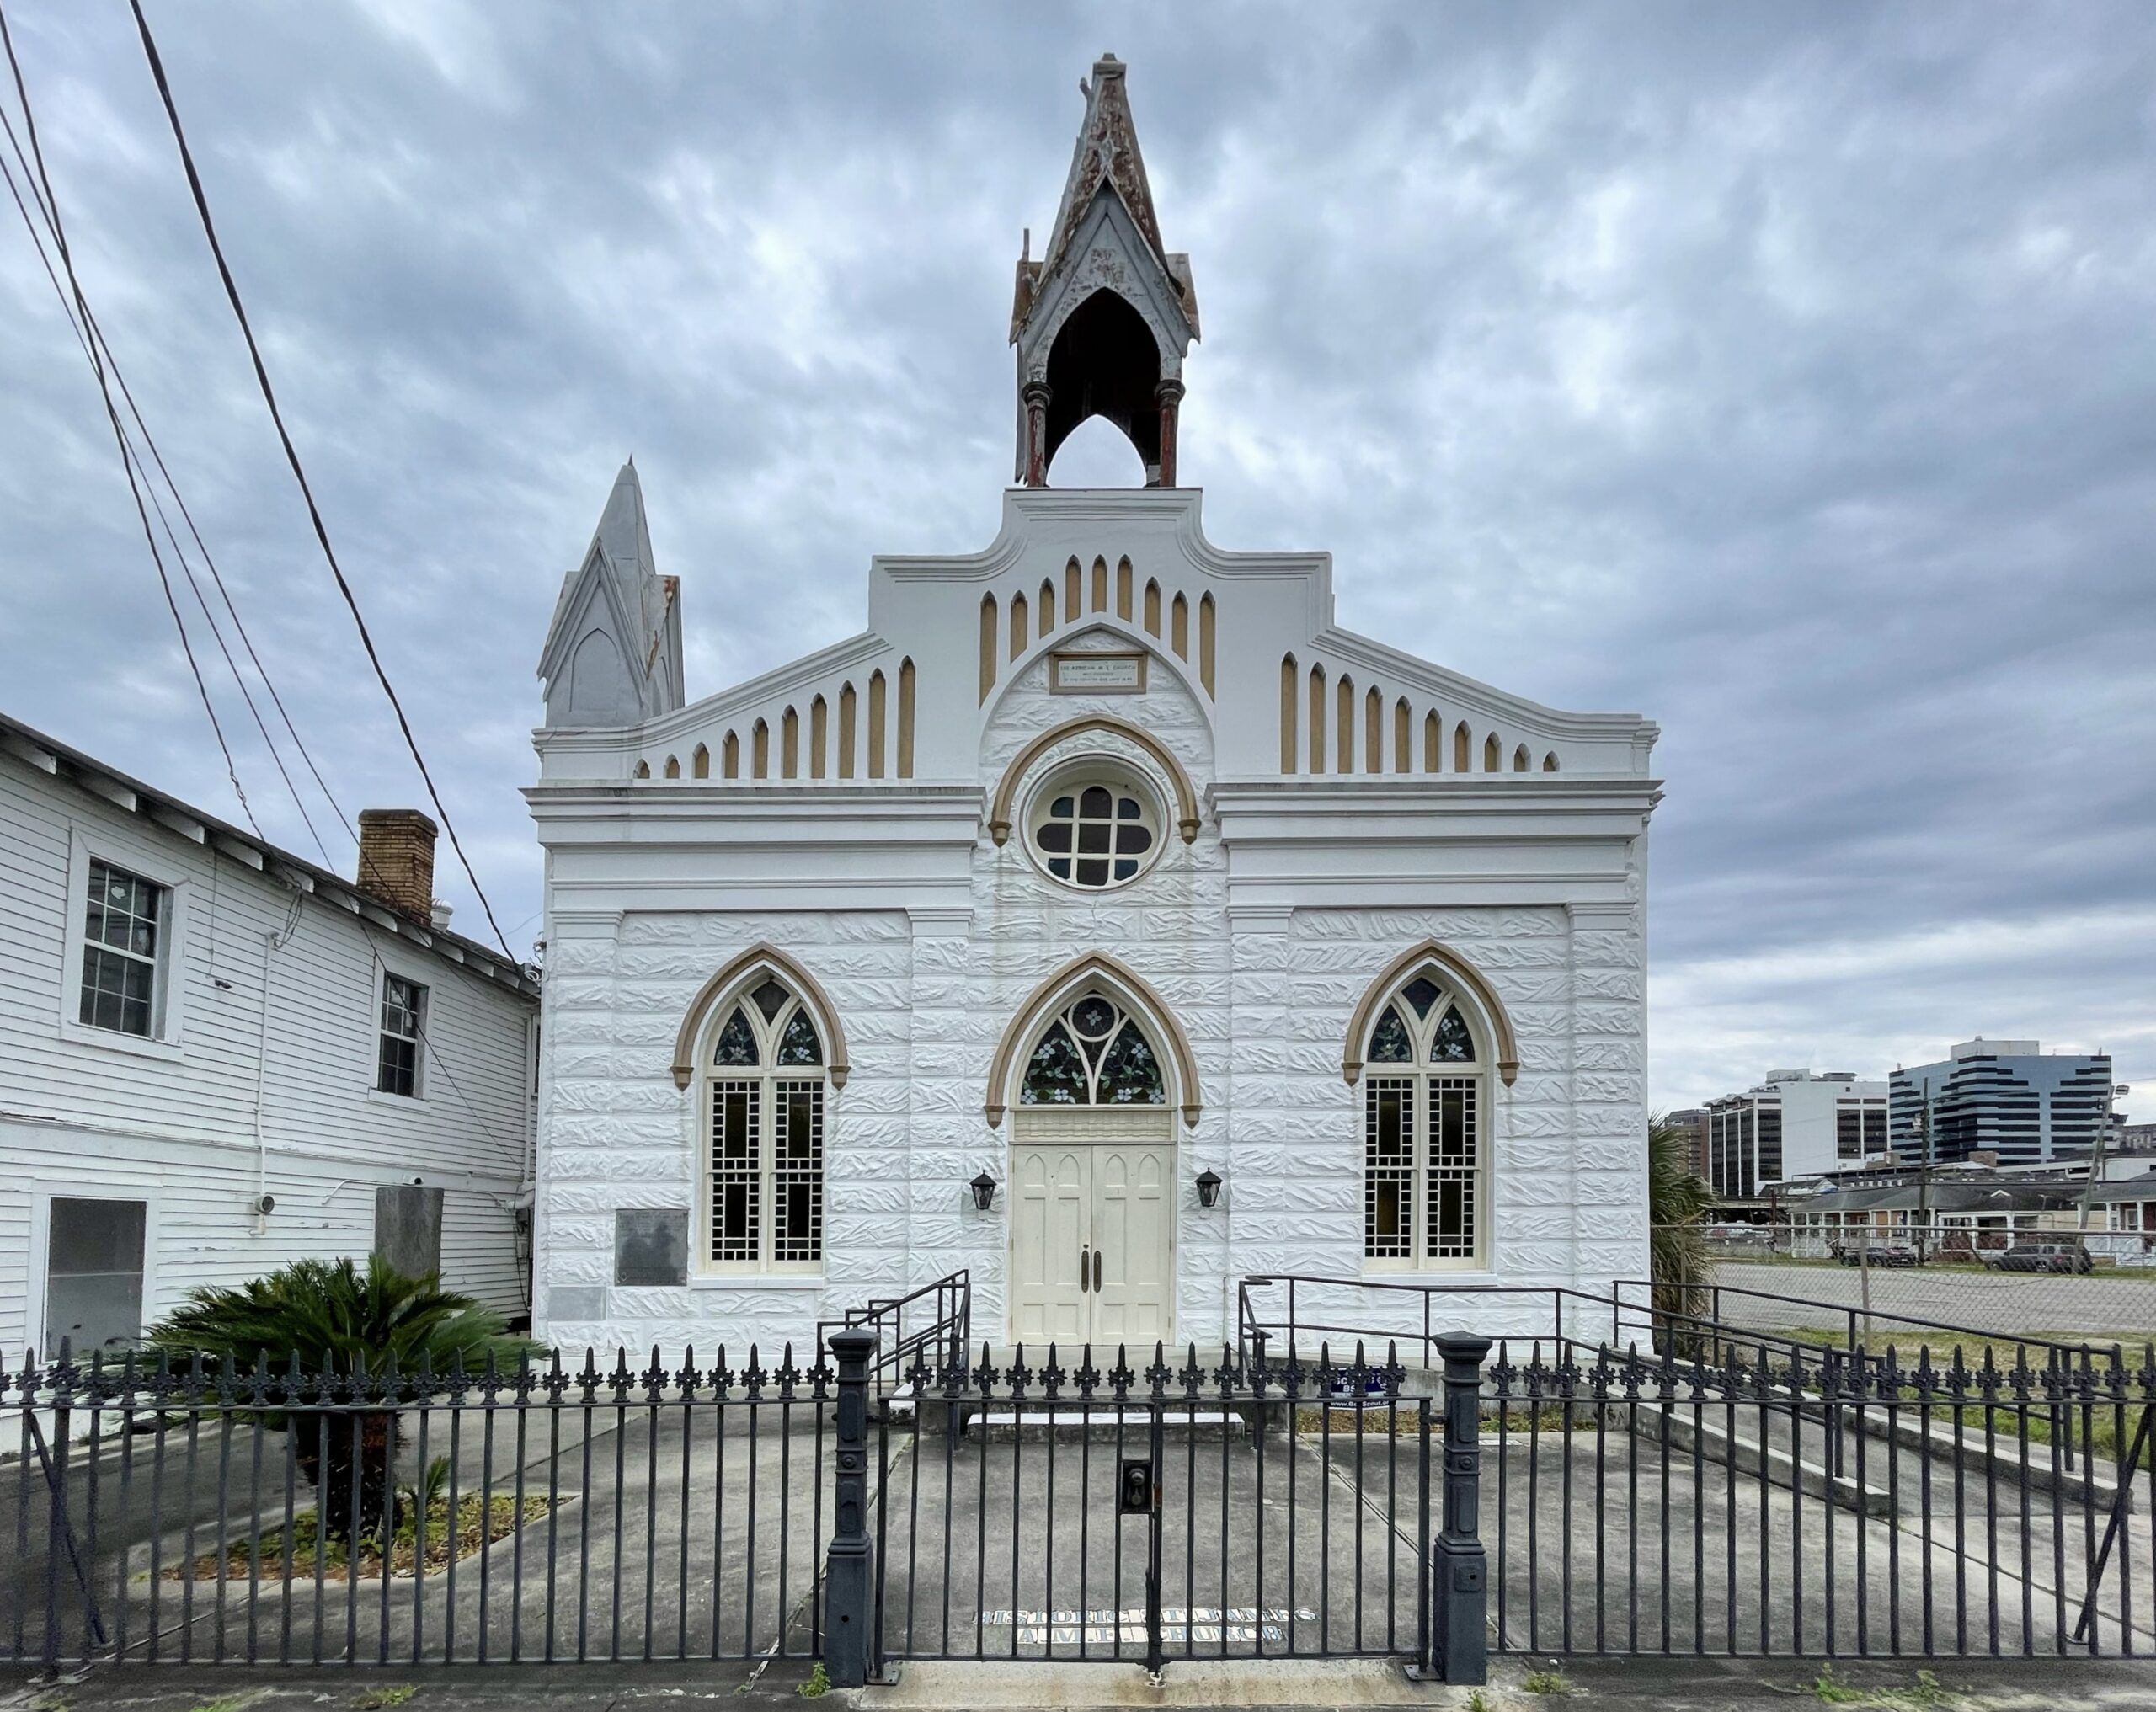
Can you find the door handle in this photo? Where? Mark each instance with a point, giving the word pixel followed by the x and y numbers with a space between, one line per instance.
pixel 1096 1271
pixel 1082 1254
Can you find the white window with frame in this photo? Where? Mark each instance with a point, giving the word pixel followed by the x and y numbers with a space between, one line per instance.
pixel 96 1260
pixel 403 1032
pixel 126 937
pixel 764 1094
pixel 1426 1150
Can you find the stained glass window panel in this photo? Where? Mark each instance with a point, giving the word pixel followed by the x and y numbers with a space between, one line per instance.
pixel 1451 1044
pixel 1092 1018
pixel 1389 1042
pixel 1421 993
pixel 798 1045
pixel 1130 1074
pixel 769 997
pixel 1056 1074
pixel 737 1041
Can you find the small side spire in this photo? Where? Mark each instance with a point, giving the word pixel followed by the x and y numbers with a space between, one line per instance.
pixel 613 652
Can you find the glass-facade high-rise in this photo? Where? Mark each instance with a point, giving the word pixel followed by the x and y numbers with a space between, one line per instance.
pixel 2003 1096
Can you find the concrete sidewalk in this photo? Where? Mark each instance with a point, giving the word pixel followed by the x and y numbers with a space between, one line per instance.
pixel 1665 1685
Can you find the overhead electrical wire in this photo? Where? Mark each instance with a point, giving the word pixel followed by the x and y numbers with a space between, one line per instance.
pixel 51 209
pixel 97 349
pixel 149 441
pixel 299 471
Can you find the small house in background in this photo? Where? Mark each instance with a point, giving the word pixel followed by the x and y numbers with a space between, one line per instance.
pixel 217 1057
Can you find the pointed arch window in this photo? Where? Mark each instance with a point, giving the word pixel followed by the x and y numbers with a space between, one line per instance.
pixel 1426 1151
pixel 765 1084
pixel 1093 1052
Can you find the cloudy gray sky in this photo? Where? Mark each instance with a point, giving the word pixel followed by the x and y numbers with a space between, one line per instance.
pixel 1786 374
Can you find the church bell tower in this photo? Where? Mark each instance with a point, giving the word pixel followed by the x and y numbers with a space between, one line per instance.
pixel 1101 320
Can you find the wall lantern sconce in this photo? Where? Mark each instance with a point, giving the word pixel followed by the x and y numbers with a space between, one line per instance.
pixel 983 1188
pixel 1208 1187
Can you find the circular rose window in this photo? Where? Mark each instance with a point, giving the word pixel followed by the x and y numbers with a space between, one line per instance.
pixel 1094 830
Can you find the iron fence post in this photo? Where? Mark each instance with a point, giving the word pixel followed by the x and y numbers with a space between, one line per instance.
pixel 1459 1622
pixel 848 1641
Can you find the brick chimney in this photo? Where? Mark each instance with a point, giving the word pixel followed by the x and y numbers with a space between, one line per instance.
pixel 396 859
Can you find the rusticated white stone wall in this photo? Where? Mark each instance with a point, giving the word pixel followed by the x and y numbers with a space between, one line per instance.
pixel 1263 992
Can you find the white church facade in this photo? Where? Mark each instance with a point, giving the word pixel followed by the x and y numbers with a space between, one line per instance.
pixel 1102 877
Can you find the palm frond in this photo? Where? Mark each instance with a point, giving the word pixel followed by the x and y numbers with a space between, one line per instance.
pixel 333 1315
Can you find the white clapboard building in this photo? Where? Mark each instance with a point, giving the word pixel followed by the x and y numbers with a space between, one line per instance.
pixel 1101 876
pixel 217 1057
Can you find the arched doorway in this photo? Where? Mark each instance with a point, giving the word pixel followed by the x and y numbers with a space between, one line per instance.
pixel 1092 1180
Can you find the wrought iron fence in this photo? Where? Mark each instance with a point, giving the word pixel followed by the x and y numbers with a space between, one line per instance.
pixel 1807 1501
pixel 1705 1491
pixel 182 1515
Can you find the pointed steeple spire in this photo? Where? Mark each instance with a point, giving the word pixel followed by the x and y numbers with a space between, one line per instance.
pixel 1106 153
pixel 613 653
pixel 1102 319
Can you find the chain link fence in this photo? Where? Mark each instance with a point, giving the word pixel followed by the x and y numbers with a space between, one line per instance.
pixel 2093 1286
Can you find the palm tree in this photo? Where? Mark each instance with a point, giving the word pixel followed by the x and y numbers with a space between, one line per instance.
pixel 1679 1199
pixel 332 1320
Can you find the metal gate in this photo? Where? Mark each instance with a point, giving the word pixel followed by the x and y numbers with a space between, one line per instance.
pixel 1034 1509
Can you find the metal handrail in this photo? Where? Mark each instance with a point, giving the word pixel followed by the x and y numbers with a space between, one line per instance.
pixel 946 1336
pixel 1851 1313
pixel 1254 1331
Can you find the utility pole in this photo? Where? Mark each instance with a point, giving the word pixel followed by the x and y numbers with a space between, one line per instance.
pixel 1923 1180
pixel 2111 1091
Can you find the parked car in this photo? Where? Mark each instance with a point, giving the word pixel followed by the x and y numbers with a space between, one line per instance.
pixel 2043 1257
pixel 1880 1254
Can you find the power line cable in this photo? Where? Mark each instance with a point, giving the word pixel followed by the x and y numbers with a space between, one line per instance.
pixel 127 463
pixel 90 337
pixel 178 499
pixel 85 342
pixel 216 577
pixel 299 474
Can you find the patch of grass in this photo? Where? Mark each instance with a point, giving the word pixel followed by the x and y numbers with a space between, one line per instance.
pixel 394 1695
pixel 1378 1421
pixel 1927 1692
pixel 1549 1682
pixel 223 1703
pixel 1550 1417
pixel 818 1684
pixel 266 1553
pixel 1477 1701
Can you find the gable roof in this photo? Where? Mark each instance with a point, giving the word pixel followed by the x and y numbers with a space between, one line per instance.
pixel 55 759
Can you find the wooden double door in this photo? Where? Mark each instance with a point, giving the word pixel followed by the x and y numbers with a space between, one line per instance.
pixel 1093 1227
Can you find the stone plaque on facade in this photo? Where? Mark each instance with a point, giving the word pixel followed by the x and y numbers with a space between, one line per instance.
pixel 651 1246
pixel 1098 673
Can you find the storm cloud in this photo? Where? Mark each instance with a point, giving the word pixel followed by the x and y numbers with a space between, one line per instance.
pixel 1788 374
